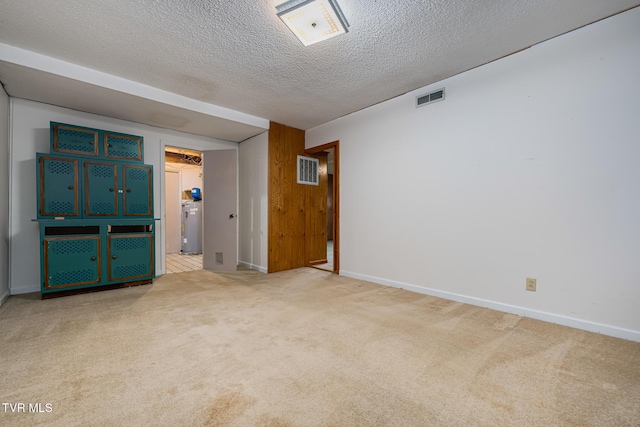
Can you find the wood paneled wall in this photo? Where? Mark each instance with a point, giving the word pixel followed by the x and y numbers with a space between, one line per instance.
pixel 286 200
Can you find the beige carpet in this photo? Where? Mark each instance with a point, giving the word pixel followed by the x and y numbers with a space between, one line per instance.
pixel 301 348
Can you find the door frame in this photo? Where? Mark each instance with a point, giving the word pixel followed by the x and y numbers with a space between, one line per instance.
pixel 166 209
pixel 336 197
pixel 161 253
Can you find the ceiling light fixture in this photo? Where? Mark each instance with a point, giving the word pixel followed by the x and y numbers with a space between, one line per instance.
pixel 313 21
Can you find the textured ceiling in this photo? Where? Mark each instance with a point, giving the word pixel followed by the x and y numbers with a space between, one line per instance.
pixel 238 55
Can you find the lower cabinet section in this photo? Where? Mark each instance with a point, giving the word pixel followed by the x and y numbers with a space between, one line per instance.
pixel 71 261
pixel 130 257
pixel 75 256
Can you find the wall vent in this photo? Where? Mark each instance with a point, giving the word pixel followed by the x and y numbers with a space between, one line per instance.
pixel 430 98
pixel 308 170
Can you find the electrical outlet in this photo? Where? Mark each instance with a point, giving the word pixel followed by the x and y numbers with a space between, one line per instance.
pixel 531 284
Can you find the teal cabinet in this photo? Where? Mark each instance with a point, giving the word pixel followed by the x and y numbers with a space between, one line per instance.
pixel 89 142
pixel 70 187
pixel 70 262
pixel 130 257
pixel 58 186
pixel 74 139
pixel 100 189
pixel 95 211
pixel 117 190
pixel 123 147
pixel 137 190
pixel 79 254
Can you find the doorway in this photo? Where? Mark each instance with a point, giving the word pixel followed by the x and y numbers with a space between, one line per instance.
pixel 183 210
pixel 333 205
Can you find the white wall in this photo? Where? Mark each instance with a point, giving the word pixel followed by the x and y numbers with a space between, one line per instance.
pixel 529 168
pixel 253 168
pixel 30 134
pixel 4 195
pixel 190 176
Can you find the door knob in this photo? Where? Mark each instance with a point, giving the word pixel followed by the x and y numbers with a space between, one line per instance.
pixel 71 187
pixel 111 190
pixel 231 216
pixel 93 258
pixel 114 257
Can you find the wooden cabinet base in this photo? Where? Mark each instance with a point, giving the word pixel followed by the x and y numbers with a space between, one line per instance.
pixel 57 294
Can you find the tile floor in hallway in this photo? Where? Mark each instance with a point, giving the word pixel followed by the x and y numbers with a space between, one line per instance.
pixel 329 265
pixel 177 263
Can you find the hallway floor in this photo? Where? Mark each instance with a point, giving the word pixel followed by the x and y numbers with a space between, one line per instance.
pixel 329 265
pixel 177 263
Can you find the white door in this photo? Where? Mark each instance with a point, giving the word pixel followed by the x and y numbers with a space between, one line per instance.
pixel 219 205
pixel 173 200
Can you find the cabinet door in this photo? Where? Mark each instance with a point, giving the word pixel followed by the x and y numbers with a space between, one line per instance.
pixel 100 189
pixel 124 147
pixel 71 261
pixel 130 257
pixel 137 190
pixel 58 187
pixel 74 140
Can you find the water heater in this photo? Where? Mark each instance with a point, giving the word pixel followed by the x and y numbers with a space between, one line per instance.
pixel 191 228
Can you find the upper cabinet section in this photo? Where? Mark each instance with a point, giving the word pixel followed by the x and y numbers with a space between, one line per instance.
pixel 83 141
pixel 122 147
pixel 58 186
pixel 137 194
pixel 72 187
pixel 74 140
pixel 117 189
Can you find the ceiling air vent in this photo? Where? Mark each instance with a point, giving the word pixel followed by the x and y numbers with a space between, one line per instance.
pixel 430 98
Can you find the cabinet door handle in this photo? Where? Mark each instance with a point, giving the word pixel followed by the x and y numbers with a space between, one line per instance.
pixel 71 187
pixel 114 257
pixel 93 258
pixel 109 145
pixel 128 190
pixel 90 142
pixel 111 190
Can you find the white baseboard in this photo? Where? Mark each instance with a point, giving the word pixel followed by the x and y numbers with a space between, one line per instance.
pixel 252 266
pixel 586 325
pixel 25 290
